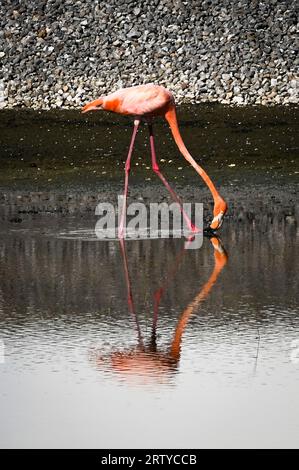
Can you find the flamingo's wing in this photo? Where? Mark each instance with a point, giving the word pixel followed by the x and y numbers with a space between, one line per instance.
pixel 138 100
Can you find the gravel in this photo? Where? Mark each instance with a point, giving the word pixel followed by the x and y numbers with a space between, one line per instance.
pixel 61 54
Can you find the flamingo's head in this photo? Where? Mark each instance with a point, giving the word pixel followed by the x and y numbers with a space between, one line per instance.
pixel 95 105
pixel 220 210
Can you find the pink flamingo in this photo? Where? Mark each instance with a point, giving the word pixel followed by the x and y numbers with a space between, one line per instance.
pixel 148 101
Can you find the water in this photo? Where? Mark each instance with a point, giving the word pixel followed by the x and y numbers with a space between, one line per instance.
pixel 83 367
pixel 148 344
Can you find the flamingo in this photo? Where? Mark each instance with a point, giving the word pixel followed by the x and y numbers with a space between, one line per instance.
pixel 146 102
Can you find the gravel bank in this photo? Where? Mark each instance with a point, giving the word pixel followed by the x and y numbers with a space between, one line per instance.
pixel 60 54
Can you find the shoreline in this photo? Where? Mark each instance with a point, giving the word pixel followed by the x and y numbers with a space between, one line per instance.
pixel 252 203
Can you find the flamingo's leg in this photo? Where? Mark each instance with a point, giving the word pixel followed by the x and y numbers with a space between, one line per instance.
pixel 156 169
pixel 127 171
pixel 129 291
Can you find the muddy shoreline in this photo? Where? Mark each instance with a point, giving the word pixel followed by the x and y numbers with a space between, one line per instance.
pixel 63 164
pixel 248 204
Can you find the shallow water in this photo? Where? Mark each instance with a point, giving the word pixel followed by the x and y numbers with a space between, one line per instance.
pixel 204 354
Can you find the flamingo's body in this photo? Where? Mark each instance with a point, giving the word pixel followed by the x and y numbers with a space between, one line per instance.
pixel 142 100
pixel 148 101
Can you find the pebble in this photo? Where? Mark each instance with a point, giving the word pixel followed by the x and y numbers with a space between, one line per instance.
pixel 235 53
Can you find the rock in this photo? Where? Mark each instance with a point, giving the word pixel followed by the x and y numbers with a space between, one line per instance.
pixel 226 77
pixel 133 34
pixel 42 33
pixel 238 100
pixel 294 83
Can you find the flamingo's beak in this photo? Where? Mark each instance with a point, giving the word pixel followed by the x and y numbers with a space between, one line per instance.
pixel 93 106
pixel 88 107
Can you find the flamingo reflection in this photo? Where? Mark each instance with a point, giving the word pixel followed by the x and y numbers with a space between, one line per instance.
pixel 145 361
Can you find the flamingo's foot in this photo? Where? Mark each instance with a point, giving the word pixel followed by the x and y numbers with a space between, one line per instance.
pixel 190 238
pixel 193 228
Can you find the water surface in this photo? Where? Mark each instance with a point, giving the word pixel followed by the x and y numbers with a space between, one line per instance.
pixel 202 353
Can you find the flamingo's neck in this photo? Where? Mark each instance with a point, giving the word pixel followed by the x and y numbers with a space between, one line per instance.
pixel 171 118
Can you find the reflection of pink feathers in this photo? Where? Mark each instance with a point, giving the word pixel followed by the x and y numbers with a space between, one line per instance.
pixel 139 100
